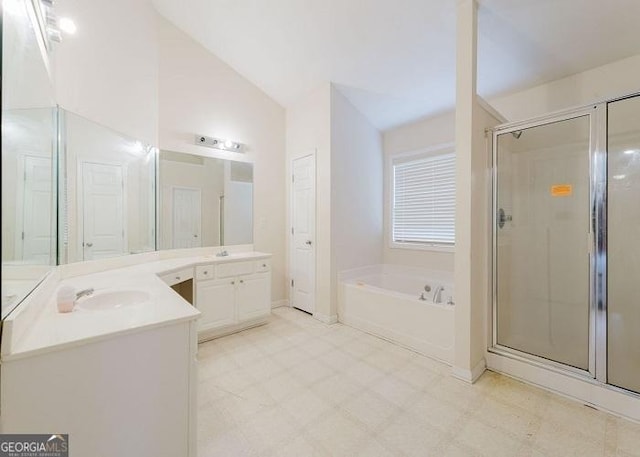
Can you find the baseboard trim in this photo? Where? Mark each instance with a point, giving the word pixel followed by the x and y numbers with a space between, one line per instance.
pixel 280 303
pixel 472 375
pixel 333 319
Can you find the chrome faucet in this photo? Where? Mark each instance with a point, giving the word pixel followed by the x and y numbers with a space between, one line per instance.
pixel 422 297
pixel 84 293
pixel 437 294
pixel 222 253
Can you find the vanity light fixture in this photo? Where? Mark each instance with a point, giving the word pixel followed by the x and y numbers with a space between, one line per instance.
pixel 218 143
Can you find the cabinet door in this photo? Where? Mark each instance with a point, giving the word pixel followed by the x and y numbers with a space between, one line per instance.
pixel 216 301
pixel 254 296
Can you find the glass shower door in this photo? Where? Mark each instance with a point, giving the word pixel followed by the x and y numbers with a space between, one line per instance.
pixel 542 241
pixel 623 262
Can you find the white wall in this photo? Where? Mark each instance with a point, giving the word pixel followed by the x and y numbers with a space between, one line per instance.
pixel 356 190
pixel 108 71
pixel 608 81
pixel 309 130
pixel 200 94
pixel 415 136
pixel 349 173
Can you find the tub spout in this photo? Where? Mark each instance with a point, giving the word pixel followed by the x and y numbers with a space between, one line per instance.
pixel 437 295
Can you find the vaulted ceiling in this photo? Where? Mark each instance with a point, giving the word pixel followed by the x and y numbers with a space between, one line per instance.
pixel 395 60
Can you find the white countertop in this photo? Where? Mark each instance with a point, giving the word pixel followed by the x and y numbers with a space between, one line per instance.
pixel 51 330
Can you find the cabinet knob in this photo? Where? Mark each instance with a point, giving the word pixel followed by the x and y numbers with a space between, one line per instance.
pixel 233 282
pixel 264 265
pixel 178 278
pixel 205 272
pixel 242 281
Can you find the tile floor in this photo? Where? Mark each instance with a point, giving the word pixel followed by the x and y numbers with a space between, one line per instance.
pixel 297 387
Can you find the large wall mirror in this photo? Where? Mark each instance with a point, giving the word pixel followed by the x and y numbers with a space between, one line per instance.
pixel 204 201
pixel 107 200
pixel 29 150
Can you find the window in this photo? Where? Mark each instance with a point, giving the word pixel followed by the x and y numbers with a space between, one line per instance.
pixel 423 211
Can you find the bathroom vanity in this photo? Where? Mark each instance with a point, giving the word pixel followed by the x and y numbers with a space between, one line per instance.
pixel 232 293
pixel 128 350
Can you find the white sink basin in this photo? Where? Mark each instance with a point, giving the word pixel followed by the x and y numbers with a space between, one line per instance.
pixel 112 300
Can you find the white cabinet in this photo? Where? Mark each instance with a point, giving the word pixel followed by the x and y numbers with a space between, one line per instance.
pixel 232 296
pixel 251 299
pixel 177 277
pixel 216 299
pixel 126 395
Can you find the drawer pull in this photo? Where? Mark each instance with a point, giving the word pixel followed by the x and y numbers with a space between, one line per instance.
pixel 178 278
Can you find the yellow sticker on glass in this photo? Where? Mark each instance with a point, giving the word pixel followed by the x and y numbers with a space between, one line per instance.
pixel 561 190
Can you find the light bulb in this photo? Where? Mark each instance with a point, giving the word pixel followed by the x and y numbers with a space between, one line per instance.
pixel 67 25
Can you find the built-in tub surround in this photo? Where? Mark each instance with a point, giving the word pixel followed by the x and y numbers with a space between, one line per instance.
pixel 410 306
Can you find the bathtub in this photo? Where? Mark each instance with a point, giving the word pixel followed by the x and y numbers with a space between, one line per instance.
pixel 385 300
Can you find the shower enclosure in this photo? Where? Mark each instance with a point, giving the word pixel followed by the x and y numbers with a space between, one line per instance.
pixel 566 242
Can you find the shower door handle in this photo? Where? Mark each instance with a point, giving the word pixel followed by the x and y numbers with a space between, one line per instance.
pixel 503 217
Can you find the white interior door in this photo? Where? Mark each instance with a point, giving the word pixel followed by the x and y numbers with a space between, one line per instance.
pixel 186 207
pixel 303 230
pixel 36 216
pixel 102 210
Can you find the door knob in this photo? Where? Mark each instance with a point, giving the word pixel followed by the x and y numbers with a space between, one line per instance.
pixel 89 245
pixel 308 242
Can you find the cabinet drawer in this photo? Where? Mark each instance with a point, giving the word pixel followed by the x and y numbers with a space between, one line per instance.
pixel 177 276
pixel 263 265
pixel 227 270
pixel 204 272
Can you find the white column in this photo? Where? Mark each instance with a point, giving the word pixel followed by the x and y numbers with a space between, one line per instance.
pixel 471 232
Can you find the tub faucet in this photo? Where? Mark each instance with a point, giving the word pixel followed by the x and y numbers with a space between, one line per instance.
pixel 422 297
pixel 84 293
pixel 437 295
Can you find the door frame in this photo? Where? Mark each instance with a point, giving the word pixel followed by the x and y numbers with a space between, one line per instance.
pixel 80 203
pixel 173 188
pixel 312 153
pixel 597 242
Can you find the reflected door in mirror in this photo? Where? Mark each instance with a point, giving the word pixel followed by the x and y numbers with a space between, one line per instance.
pixel 34 200
pixel 102 211
pixel 186 204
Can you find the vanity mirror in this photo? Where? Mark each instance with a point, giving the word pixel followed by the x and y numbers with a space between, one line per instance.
pixel 28 156
pixel 204 201
pixel 107 193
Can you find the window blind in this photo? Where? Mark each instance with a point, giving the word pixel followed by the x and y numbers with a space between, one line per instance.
pixel 424 200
